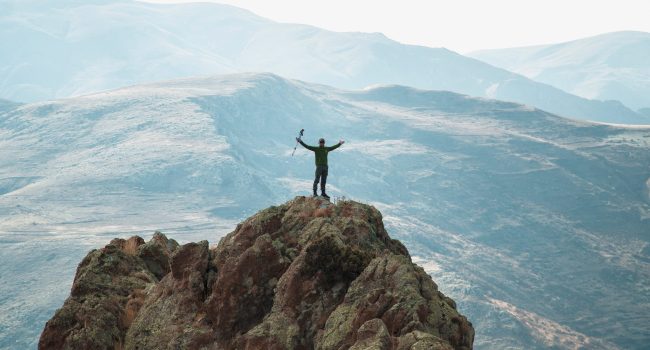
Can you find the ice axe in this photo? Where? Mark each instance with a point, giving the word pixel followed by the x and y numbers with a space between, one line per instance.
pixel 300 137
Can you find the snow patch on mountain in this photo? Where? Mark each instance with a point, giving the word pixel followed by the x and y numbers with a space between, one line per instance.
pixel 552 333
pixel 384 149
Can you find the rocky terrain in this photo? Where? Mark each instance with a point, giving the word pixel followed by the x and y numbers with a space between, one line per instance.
pixel 306 274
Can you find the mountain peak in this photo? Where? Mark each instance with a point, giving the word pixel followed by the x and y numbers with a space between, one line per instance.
pixel 624 33
pixel 609 66
pixel 305 274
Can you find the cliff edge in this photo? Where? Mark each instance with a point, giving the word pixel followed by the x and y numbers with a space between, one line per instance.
pixel 308 274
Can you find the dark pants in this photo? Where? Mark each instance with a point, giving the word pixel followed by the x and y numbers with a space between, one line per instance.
pixel 321 175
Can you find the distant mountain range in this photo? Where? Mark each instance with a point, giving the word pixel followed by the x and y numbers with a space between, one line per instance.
pixel 70 48
pixel 612 66
pixel 535 224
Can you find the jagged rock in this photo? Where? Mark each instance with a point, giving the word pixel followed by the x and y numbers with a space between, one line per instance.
pixel 171 316
pixel 304 275
pixel 372 335
pixel 401 296
pixel 106 294
pixel 156 253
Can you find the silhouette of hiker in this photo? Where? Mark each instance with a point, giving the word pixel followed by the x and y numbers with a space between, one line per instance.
pixel 321 162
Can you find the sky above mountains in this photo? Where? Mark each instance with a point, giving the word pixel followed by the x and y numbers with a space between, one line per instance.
pixel 462 25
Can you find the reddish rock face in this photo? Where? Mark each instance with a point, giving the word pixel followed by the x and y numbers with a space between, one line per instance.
pixel 305 275
pixel 107 293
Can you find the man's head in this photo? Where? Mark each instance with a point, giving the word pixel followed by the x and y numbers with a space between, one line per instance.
pixel 321 142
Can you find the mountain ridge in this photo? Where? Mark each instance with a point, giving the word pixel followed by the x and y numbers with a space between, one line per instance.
pixel 130 43
pixel 608 66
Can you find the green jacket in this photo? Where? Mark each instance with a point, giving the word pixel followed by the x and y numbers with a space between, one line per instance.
pixel 321 152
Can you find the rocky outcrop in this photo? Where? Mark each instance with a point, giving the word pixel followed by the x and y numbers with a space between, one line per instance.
pixel 304 275
pixel 109 289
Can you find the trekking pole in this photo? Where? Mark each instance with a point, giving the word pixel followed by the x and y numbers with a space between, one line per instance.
pixel 300 137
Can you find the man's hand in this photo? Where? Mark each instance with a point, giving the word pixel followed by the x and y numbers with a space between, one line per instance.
pixel 297 139
pixel 341 141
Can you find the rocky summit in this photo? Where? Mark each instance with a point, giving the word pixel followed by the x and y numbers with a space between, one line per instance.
pixel 308 274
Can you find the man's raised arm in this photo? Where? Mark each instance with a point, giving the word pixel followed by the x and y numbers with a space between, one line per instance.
pixel 336 146
pixel 311 148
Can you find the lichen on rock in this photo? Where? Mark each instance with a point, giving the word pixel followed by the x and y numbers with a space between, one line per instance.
pixel 307 274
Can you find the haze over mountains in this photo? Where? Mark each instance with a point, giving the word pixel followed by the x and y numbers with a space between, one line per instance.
pixel 71 48
pixel 612 66
pixel 537 225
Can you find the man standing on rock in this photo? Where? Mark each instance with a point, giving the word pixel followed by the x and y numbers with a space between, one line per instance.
pixel 321 162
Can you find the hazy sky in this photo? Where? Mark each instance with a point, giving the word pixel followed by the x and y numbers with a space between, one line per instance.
pixel 461 25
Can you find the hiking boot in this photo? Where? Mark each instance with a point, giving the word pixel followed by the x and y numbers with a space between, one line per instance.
pixel 315 194
pixel 325 195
